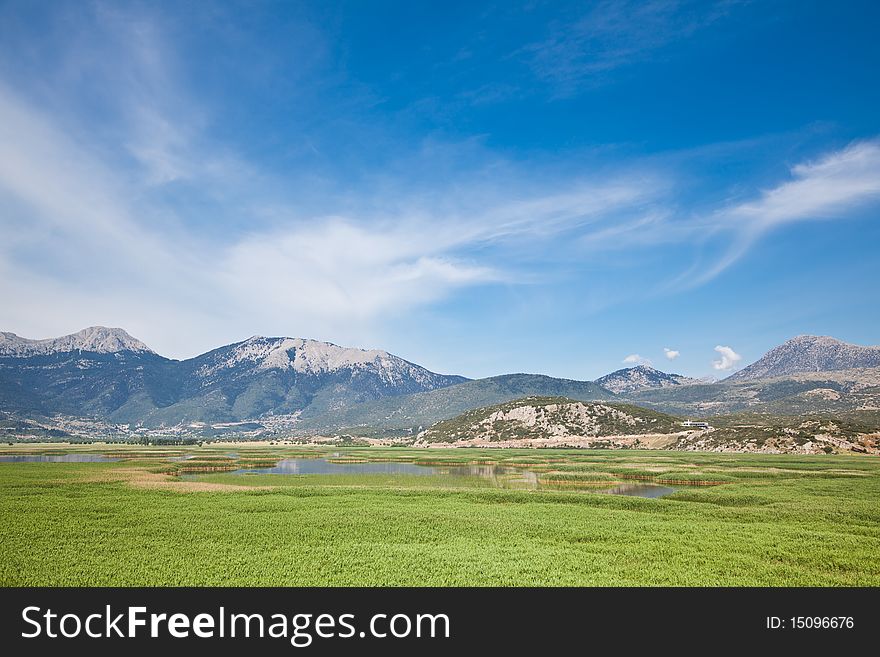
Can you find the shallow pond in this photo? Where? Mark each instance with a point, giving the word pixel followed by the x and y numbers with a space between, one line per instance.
pixel 55 458
pixel 639 490
pixel 322 466
pixel 500 476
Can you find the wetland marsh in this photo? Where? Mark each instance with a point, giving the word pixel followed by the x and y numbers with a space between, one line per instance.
pixel 365 516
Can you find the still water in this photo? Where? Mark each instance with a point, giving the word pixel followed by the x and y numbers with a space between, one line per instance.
pixel 55 458
pixel 502 477
pixel 639 490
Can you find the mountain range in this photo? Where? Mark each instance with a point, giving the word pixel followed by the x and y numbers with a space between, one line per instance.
pixel 105 373
pixel 292 385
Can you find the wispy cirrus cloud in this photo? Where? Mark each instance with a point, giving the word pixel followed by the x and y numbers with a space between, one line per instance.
pixel 89 225
pixel 832 186
pixel 615 33
pixel 67 203
pixel 825 188
pixel 122 200
pixel 76 234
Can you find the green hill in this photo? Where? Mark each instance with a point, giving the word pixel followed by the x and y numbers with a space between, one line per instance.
pixel 411 413
pixel 550 417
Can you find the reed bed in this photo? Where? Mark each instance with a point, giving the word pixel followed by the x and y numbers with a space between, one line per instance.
pixel 778 520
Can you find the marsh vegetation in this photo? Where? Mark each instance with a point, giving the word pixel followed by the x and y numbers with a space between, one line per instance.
pixel 151 518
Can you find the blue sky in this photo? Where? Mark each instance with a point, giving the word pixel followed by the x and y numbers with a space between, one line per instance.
pixel 550 187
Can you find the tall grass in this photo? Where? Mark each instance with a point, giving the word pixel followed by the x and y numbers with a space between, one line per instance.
pixel 778 521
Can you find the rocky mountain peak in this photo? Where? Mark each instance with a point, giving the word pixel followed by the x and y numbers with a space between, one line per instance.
pixel 640 377
pixel 300 355
pixel 95 339
pixel 809 353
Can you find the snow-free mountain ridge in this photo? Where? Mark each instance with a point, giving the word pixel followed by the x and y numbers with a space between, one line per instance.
pixel 641 377
pixel 310 357
pixel 95 339
pixel 107 374
pixel 809 353
pixel 317 387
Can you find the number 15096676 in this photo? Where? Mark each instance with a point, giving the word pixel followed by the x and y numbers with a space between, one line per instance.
pixel 810 623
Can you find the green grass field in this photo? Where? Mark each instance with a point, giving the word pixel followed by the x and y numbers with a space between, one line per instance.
pixel 775 520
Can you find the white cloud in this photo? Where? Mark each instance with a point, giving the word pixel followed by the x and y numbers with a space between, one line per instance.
pixel 635 359
pixel 729 358
pixel 831 187
pixel 614 34
pixel 91 232
pixel 342 271
pixel 822 189
pixel 671 354
pixel 88 240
